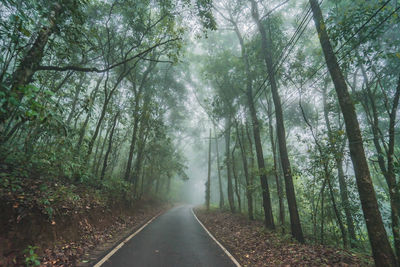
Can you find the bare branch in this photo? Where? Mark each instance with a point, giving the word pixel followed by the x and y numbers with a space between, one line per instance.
pixel 94 69
pixel 275 8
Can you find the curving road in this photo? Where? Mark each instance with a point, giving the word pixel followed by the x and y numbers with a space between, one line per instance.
pixel 173 239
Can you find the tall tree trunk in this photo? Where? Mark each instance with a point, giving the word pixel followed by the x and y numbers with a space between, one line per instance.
pixel 277 179
pixel 266 44
pixel 97 164
pixel 269 219
pixel 103 170
pixel 133 143
pixel 229 163
pixel 208 183
pixel 235 176
pixel 95 153
pixel 115 154
pixel 325 161
pixel 97 130
pixel 221 193
pixel 387 170
pixel 142 181
pixel 243 153
pixel 78 89
pixel 381 249
pixel 30 62
pixel 394 187
pixel 252 163
pixel 138 95
pixel 168 184
pixel 144 133
pixel 92 99
pixel 338 155
pixel 108 94
pixel 335 209
pixel 322 212
pixel 249 82
pixel 157 184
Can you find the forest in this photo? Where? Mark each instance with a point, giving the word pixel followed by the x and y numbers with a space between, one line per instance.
pixel 284 112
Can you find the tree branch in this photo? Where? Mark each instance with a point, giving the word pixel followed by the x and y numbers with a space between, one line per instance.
pixel 94 69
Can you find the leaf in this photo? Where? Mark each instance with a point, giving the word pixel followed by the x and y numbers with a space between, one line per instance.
pixel 24 32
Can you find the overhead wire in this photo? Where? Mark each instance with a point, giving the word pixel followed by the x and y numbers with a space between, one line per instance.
pixel 285 49
pixel 296 36
pixel 353 48
pixel 291 99
pixel 341 47
pixel 356 46
pixel 351 37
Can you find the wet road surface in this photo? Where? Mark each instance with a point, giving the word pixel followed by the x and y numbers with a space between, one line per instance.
pixel 174 239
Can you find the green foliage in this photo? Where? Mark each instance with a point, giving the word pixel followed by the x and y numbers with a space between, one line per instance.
pixel 58 151
pixel 31 258
pixel 118 189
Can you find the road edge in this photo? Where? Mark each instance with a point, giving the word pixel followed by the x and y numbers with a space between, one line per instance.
pixel 216 241
pixel 101 261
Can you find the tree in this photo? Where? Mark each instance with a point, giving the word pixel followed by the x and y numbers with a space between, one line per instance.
pixel 208 183
pixel 280 128
pixel 383 253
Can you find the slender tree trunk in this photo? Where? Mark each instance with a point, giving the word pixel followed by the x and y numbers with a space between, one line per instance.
pixel 325 162
pixel 381 249
pixel 322 212
pixel 157 184
pixel 138 95
pixel 266 44
pixel 269 219
pixel 30 62
pixel 229 163
pixel 387 170
pixel 394 187
pixel 97 130
pixel 168 184
pixel 95 153
pixel 221 193
pixel 133 143
pixel 142 182
pixel 92 99
pixel 103 171
pixel 143 132
pixel 115 154
pixel 335 209
pixel 277 179
pixel 252 164
pixel 249 194
pixel 208 183
pixel 98 162
pixel 108 94
pixel 60 85
pixel 344 196
pixel 13 130
pixel 75 100
pixel 235 176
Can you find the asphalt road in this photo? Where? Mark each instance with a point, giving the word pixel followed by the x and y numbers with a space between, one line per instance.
pixel 173 239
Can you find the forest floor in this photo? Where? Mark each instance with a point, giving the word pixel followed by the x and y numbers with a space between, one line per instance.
pixel 53 224
pixel 252 245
